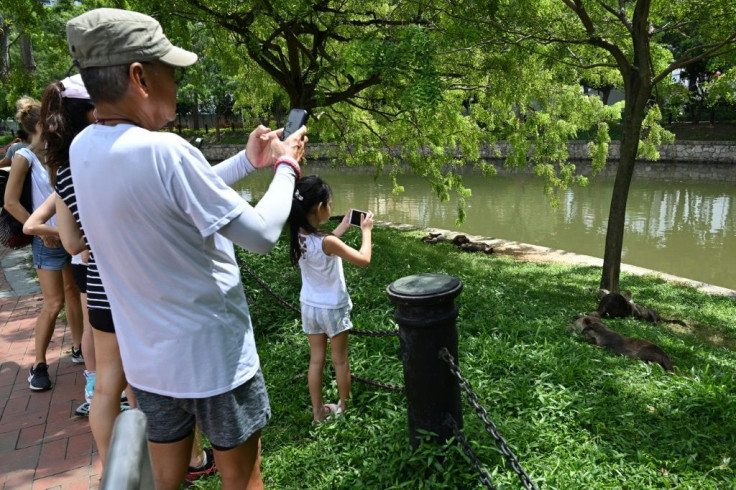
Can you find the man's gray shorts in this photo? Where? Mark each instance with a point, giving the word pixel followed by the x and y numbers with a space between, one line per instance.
pixel 227 420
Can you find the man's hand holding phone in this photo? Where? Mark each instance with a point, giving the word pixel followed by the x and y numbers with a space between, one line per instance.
pixel 293 137
pixel 265 146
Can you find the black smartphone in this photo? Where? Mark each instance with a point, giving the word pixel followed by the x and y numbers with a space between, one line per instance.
pixel 297 118
pixel 355 215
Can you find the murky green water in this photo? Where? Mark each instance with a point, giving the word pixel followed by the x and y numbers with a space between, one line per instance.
pixel 683 228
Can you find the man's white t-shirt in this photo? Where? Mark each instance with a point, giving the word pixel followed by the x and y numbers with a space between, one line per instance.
pixel 151 206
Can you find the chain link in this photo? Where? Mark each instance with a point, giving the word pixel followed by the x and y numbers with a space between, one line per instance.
pixel 374 333
pixel 491 428
pixel 378 384
pixel 268 289
pixel 483 475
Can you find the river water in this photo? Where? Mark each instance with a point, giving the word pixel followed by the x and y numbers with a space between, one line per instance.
pixel 687 229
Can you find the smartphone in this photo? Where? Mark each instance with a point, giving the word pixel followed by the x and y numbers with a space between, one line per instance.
pixel 297 118
pixel 355 215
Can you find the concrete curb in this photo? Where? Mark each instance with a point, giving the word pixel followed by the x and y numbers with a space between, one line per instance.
pixel 536 253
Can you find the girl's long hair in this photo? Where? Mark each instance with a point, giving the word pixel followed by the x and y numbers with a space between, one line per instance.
pixel 63 119
pixel 310 191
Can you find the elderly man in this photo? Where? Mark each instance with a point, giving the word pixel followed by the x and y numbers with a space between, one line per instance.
pixel 162 226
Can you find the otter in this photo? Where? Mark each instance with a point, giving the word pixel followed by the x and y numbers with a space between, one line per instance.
pixel 592 329
pixel 463 242
pixel 617 305
pixel 433 238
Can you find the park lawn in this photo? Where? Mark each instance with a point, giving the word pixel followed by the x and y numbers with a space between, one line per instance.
pixel 575 415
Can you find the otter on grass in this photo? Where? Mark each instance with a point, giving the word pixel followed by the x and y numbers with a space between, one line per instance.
pixel 592 329
pixel 617 305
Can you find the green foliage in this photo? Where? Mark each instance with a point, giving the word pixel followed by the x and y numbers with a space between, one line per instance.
pixel 653 135
pixel 599 148
pixel 575 415
pixel 46 28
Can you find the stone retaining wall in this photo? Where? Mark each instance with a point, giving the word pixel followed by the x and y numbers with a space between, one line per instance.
pixel 684 160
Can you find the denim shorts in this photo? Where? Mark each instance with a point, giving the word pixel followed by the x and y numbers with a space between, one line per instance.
pixel 53 259
pixel 228 420
pixel 325 320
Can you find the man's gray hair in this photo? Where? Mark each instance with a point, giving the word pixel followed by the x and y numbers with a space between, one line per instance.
pixel 106 83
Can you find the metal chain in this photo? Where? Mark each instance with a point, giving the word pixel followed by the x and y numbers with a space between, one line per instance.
pixel 374 333
pixel 483 475
pixel 379 384
pixel 491 428
pixel 268 289
pixel 364 333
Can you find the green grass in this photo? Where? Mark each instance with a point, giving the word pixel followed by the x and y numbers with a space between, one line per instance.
pixel 575 415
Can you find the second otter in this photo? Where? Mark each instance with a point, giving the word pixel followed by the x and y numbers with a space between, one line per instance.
pixel 591 328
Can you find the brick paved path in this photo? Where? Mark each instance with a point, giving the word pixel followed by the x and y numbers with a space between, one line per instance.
pixel 43 445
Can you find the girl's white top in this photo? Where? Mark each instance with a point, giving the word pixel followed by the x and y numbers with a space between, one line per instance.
pixel 323 280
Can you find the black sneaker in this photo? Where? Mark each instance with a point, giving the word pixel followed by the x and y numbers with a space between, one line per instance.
pixel 77 357
pixel 38 379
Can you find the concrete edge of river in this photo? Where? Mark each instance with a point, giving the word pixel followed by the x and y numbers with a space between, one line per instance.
pixel 537 253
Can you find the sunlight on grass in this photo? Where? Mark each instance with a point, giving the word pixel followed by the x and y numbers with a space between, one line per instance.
pixel 575 415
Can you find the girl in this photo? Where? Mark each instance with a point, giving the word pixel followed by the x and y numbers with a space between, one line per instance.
pixel 324 298
pixel 49 257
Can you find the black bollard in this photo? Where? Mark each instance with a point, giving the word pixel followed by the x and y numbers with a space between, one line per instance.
pixel 426 314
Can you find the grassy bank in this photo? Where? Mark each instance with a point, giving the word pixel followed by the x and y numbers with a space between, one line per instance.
pixel 575 415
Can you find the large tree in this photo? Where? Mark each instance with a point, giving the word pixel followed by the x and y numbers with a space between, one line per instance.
pixel 390 82
pixel 629 37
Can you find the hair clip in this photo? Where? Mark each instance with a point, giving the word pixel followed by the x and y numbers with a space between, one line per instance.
pixel 298 196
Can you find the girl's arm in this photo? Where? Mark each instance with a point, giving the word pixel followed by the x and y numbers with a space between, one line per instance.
pixel 332 245
pixel 36 222
pixel 69 232
pixel 14 188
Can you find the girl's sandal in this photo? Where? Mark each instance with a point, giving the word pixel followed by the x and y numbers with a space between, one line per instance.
pixel 333 410
pixel 329 410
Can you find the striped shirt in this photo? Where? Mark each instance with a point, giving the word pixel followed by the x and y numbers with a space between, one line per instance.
pixel 96 296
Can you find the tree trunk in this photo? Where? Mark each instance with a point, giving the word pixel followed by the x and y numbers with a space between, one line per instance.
pixel 4 49
pixel 637 91
pixel 26 54
pixel 606 93
pixel 195 112
pixel 637 95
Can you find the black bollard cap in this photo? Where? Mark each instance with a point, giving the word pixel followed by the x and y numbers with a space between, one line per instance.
pixel 424 289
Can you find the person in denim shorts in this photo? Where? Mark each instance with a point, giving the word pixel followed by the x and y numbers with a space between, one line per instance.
pixel 51 261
